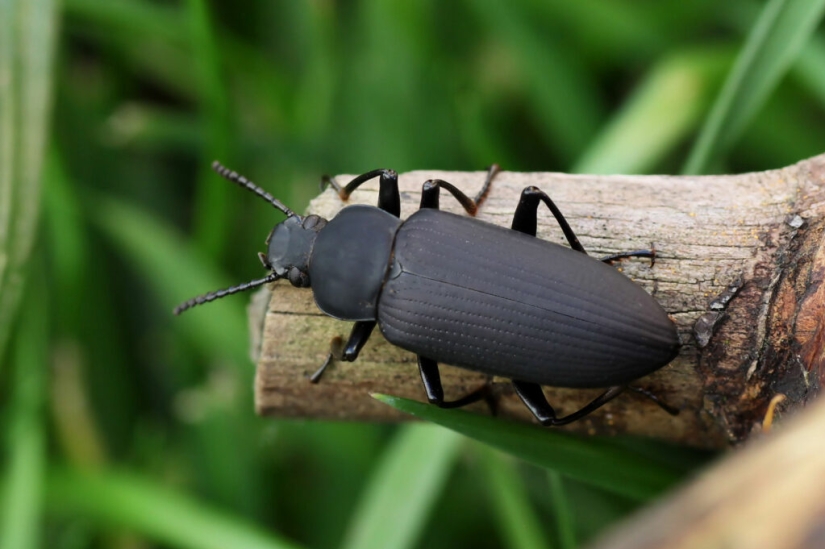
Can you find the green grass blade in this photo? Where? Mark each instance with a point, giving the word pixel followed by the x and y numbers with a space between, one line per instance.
pixel 146 128
pixel 561 507
pixel 175 273
pixel 660 113
pixel 783 28
pixel 127 501
pixel 212 209
pixel 595 461
pixel 403 489
pixel 611 30
pixel 314 91
pixel 519 525
pixel 148 36
pixel 153 20
pixel 560 93
pixel 68 243
pixel 808 68
pixel 23 471
pixel 27 38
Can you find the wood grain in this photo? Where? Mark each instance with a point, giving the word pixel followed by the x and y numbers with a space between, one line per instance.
pixel 739 267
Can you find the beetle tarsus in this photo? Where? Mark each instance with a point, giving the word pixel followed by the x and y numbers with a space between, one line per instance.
pixel 348 352
pixel 316 377
pixel 336 345
pixel 672 410
pixel 431 378
pixel 471 398
pixel 609 259
pixel 492 172
pixel 330 181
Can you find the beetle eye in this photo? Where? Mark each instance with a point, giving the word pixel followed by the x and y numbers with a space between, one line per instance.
pixel 298 278
pixel 313 222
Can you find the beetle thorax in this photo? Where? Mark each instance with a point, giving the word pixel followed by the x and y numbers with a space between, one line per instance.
pixel 290 246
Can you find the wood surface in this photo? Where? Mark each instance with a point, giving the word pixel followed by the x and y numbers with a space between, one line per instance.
pixel 739 267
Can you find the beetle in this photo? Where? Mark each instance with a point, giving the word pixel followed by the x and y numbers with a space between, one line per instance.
pixel 453 289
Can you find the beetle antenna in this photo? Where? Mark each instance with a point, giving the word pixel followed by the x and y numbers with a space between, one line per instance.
pixel 235 177
pixel 212 296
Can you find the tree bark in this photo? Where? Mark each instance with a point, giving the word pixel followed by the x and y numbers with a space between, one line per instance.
pixel 740 265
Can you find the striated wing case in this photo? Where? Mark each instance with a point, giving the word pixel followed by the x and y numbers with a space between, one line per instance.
pixel 483 297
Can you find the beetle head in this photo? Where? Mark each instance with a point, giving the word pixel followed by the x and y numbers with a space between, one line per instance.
pixel 289 247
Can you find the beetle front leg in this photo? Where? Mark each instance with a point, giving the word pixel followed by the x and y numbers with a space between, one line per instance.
pixel 431 377
pixel 358 337
pixel 389 197
pixel 525 218
pixel 533 397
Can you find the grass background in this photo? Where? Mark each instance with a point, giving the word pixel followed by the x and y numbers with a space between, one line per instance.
pixel 123 427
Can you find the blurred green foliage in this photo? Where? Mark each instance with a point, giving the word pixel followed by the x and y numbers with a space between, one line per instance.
pixel 122 427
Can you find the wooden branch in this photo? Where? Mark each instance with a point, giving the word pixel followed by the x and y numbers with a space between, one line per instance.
pixel 768 496
pixel 740 265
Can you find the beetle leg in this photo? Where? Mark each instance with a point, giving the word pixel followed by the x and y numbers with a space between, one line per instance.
pixel 428 368
pixel 609 259
pixel 533 397
pixel 524 220
pixel 329 181
pixel 316 377
pixel 430 193
pixel 389 198
pixel 264 260
pixel 492 172
pixel 358 337
pixel 652 396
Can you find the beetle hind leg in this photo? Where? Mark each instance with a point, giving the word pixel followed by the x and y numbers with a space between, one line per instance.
pixel 649 254
pixel 431 377
pixel 672 410
pixel 533 397
pixel 525 219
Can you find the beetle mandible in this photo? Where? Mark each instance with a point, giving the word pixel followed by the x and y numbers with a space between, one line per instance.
pixel 456 290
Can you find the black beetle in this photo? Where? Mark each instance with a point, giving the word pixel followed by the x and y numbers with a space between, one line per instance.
pixel 460 291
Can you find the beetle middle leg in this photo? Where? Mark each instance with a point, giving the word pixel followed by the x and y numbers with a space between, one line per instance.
pixel 431 377
pixel 358 337
pixel 533 397
pixel 430 193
